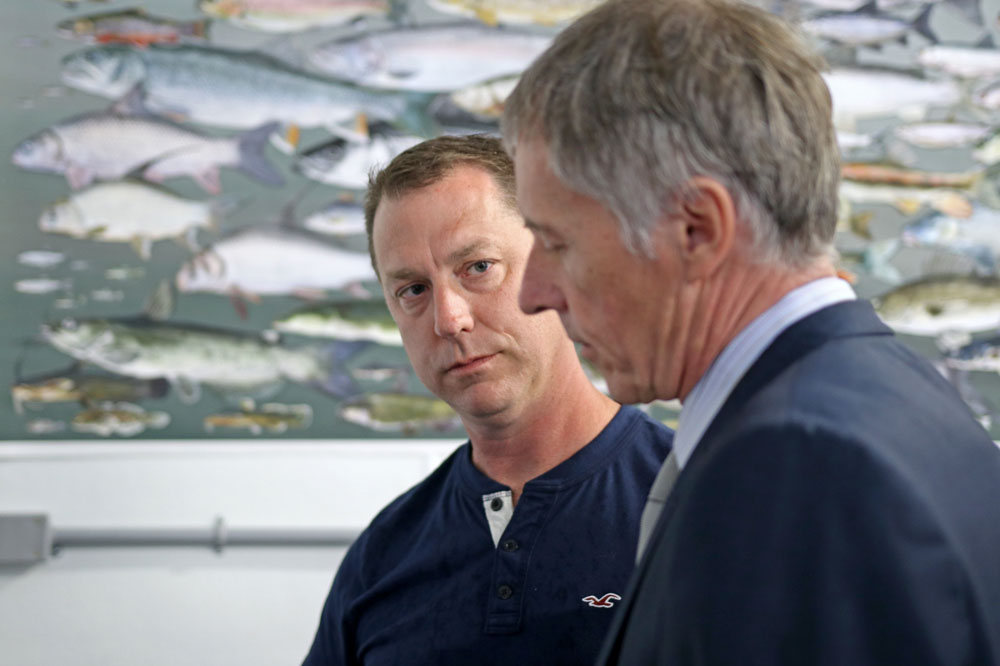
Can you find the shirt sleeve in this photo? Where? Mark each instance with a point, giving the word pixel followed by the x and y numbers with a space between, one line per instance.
pixel 334 643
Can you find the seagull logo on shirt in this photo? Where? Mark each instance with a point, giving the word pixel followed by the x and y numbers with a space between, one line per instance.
pixel 607 601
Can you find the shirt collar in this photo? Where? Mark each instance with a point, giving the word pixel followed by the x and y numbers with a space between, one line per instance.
pixel 714 387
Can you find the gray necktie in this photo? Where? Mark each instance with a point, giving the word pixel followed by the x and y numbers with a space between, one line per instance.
pixel 658 493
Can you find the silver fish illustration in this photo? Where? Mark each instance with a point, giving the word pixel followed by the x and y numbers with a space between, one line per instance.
pixel 274 418
pixel 236 89
pixel 110 145
pixel 132 212
pixel 274 261
pixel 130 26
pixel 336 219
pixel 118 418
pixel 292 15
pixel 939 305
pixel 867 26
pixel 189 356
pixel 870 92
pixel 431 58
pixel 961 61
pixel 493 12
pixel 349 320
pixel 347 163
pixel 399 412
pixel 976 236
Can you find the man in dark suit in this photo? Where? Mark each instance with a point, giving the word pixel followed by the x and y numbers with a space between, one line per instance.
pixel 829 498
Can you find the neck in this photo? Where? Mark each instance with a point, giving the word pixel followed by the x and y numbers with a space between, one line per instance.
pixel 729 302
pixel 515 450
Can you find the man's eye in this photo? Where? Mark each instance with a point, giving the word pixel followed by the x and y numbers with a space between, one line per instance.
pixel 411 290
pixel 480 266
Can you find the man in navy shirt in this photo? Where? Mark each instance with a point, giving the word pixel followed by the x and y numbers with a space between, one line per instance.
pixel 517 548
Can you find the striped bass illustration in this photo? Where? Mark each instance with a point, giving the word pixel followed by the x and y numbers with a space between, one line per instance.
pixel 432 58
pixel 236 89
pixel 274 418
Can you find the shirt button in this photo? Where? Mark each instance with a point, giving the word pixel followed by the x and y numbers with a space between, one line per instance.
pixel 496 504
pixel 510 545
pixel 504 591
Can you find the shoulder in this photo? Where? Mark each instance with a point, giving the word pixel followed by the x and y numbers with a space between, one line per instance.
pixel 638 429
pixel 393 527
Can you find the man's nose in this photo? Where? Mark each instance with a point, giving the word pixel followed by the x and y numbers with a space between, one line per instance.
pixel 452 313
pixel 538 288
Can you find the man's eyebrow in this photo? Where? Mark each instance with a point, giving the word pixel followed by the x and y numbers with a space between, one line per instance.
pixel 402 275
pixel 470 250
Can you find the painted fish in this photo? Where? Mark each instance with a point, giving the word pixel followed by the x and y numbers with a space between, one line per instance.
pixel 273 261
pixel 399 412
pixel 84 388
pixel 130 26
pixel 347 320
pixel 485 100
pixel 883 174
pixel 431 58
pixel 189 356
pixel 236 89
pixel 110 145
pixel 866 26
pixel 941 134
pixel 41 285
pixel 979 355
pixel 347 163
pixel 274 418
pixel 336 219
pixel 908 200
pixel 292 15
pixel 939 305
pixel 977 236
pixel 118 418
pixel 493 12
pixel 870 92
pixel 44 426
pixel 132 212
pixel 961 61
pixel 40 258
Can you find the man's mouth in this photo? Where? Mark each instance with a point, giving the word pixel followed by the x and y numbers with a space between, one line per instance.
pixel 471 363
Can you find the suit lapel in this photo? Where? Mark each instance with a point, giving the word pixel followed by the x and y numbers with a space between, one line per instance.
pixel 847 319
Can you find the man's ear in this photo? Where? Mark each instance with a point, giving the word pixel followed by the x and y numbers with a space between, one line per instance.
pixel 708 228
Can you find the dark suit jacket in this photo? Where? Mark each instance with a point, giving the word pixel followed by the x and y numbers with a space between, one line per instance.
pixel 842 508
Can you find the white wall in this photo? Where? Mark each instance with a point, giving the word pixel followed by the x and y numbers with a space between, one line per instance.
pixel 178 606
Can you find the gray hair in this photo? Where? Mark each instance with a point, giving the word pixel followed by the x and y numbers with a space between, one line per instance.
pixel 638 96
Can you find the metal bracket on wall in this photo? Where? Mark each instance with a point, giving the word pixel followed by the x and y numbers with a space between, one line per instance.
pixel 25 539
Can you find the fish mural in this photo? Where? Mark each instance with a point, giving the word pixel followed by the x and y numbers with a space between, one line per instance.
pixel 179 133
